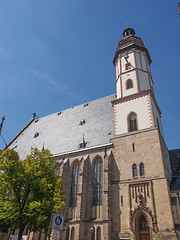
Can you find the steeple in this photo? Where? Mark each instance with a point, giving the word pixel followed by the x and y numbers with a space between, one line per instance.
pixel 136 104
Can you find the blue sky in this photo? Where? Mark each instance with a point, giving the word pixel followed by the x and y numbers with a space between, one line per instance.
pixel 55 54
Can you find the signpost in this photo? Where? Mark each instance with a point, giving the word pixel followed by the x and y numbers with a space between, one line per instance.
pixel 56 234
pixel 57 223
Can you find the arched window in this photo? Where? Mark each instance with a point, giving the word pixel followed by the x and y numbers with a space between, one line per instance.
pixel 92 233
pixel 98 233
pixel 74 184
pixel 72 233
pixel 97 182
pixel 141 169
pixel 129 84
pixel 67 234
pixel 134 170
pixel 132 121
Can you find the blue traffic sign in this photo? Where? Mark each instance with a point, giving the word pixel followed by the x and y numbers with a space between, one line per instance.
pixel 58 220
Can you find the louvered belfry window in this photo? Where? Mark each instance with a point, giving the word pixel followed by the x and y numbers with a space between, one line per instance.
pixel 97 182
pixel 132 122
pixel 74 184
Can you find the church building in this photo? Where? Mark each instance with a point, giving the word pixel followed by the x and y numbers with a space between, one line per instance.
pixel 120 180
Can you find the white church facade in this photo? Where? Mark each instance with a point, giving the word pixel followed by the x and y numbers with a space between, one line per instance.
pixel 120 180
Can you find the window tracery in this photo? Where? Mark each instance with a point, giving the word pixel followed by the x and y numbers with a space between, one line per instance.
pixel 74 184
pixel 97 182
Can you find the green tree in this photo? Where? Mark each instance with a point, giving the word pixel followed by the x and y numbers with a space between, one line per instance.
pixel 30 191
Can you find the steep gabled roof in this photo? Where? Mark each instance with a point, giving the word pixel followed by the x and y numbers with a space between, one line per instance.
pixel 63 131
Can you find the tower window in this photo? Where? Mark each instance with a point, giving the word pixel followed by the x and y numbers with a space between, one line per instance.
pixel 133 147
pixel 128 66
pixel 121 200
pixel 129 84
pixel 141 169
pixel 132 122
pixel 134 170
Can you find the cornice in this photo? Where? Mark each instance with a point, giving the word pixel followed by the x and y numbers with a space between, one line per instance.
pixel 131 97
pixel 137 95
pixel 84 150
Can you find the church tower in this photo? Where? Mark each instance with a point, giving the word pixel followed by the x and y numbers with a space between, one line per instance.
pixel 141 175
pixel 136 107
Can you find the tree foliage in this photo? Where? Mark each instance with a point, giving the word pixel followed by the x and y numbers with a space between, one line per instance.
pixel 30 191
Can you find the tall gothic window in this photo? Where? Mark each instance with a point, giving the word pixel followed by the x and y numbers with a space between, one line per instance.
pixel 92 233
pixel 132 121
pixel 67 234
pixel 141 169
pixel 129 84
pixel 74 184
pixel 97 182
pixel 98 233
pixel 134 170
pixel 72 233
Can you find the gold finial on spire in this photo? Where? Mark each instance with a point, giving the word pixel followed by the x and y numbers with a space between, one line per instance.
pixel 127 25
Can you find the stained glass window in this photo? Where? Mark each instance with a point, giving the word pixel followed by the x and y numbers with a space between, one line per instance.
pixel 74 184
pixel 97 182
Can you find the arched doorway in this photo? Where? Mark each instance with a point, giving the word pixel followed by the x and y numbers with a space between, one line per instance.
pixel 143 228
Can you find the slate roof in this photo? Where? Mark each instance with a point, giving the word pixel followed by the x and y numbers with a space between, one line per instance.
pixel 61 132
